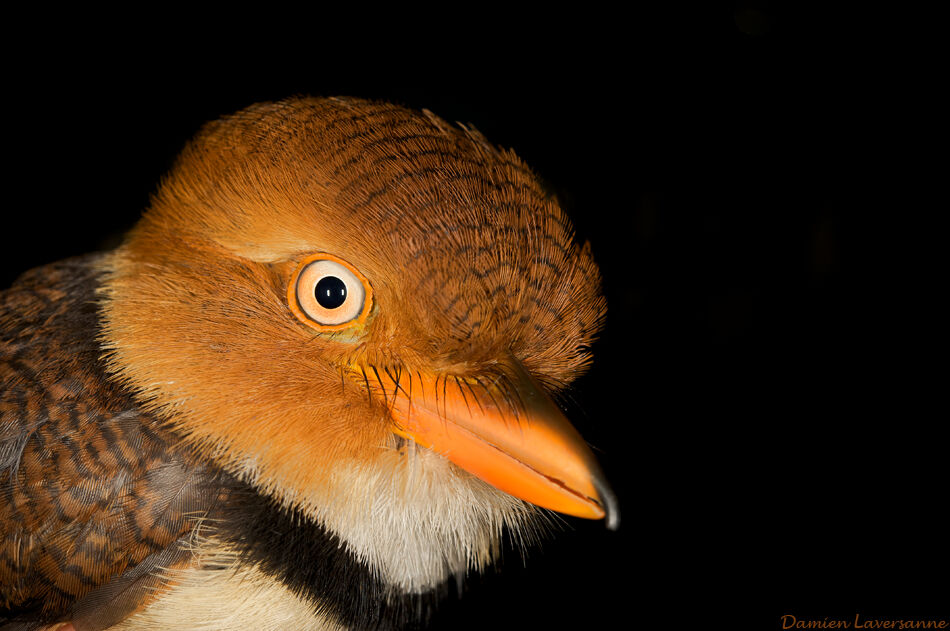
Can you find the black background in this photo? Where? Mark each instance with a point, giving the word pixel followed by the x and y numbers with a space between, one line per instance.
pixel 742 399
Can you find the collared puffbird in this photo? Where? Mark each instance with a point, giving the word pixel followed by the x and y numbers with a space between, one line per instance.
pixel 314 384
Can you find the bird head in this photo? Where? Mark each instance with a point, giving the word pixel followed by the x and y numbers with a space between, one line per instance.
pixel 363 311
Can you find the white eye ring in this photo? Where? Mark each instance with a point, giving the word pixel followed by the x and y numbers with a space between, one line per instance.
pixel 328 294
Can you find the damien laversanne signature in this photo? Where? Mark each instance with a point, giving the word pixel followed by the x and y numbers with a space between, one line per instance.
pixel 791 622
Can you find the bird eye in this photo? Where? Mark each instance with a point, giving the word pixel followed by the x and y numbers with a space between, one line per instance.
pixel 328 293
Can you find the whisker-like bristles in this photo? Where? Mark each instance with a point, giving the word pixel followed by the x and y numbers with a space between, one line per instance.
pixel 520 400
pixel 398 386
pixel 500 409
pixel 409 372
pixel 474 396
pixel 393 379
pixel 369 392
pixel 504 387
pixel 381 386
pixel 500 390
pixel 395 388
pixel 445 382
pixel 464 398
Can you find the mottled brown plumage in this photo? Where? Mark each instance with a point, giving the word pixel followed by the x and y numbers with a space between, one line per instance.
pixel 90 488
pixel 156 397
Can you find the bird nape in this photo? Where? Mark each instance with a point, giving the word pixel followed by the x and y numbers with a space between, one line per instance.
pixel 310 389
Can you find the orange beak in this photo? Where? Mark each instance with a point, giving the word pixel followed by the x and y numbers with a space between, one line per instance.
pixel 506 431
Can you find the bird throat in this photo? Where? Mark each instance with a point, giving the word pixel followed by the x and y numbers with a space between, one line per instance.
pixel 414 519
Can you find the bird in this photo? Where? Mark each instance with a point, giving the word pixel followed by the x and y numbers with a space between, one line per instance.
pixel 315 384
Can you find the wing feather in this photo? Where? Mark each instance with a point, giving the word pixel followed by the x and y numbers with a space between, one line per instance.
pixel 95 497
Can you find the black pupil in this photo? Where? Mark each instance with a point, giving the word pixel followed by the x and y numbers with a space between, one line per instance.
pixel 330 292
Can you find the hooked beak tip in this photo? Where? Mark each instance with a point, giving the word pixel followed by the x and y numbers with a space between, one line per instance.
pixel 610 504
